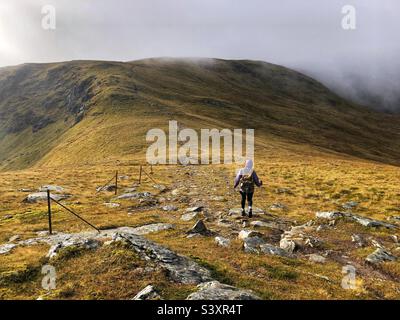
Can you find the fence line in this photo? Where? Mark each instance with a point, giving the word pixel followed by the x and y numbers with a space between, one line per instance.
pixel 49 199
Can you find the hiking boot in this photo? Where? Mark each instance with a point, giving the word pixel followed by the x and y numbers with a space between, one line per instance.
pixel 250 213
pixel 243 213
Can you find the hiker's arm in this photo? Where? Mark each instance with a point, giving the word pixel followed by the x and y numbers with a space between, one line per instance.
pixel 237 180
pixel 257 181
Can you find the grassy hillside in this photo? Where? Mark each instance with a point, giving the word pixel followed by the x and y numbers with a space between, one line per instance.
pixel 90 112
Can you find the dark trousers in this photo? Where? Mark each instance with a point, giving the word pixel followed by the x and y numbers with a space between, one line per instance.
pixel 249 197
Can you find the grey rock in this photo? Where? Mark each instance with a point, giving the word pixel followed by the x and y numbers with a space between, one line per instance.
pixel 81 243
pixel 42 196
pixel 252 244
pixel 170 208
pixel 112 205
pixel 14 238
pixel 6 248
pixel 244 234
pixel 135 195
pixel 316 258
pixel 109 188
pixel 51 188
pixel 350 205
pixel 278 206
pixel 222 242
pixel 189 216
pixel 151 228
pixel 160 187
pixel 380 255
pixel 148 293
pixel 273 250
pixel 194 209
pixel 199 227
pixel 214 290
pixel 179 268
pixel 358 240
pixel 366 222
pixel 287 245
pixel 330 215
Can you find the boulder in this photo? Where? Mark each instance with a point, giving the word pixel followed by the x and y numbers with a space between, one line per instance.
pixel 380 255
pixel 42 196
pixel 151 228
pixel 287 245
pixel 252 244
pixel 189 216
pixel 170 208
pixel 214 290
pixel 273 250
pixel 199 228
pixel 316 258
pixel 6 248
pixel 367 222
pixel 244 234
pixel 222 242
pixel 148 293
pixel 330 215
pixel 194 209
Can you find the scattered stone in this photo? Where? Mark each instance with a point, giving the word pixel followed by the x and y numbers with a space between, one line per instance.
pixel 123 177
pixel 244 234
pixel 263 224
pixel 380 255
pixel 216 291
pixel 42 196
pixel 199 228
pixel 394 238
pixel 273 250
pixel 170 208
pixel 330 215
pixel 245 224
pixel 26 190
pixel 316 258
pixel 6 248
pixel 284 191
pixel 222 242
pixel 112 205
pixel 79 243
pixel 160 187
pixel 135 195
pixel 218 198
pixel 109 188
pixel 51 188
pixel 252 244
pixel 350 205
pixel 366 222
pixel 358 240
pixel 287 245
pixel 376 244
pixel 14 238
pixel 189 216
pixel 235 211
pixel 194 209
pixel 129 190
pixel 148 293
pixel 150 228
pixel 7 217
pixel 176 192
pixel 278 206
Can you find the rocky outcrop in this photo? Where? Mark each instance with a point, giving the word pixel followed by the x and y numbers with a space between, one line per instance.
pixel 179 268
pixel 42 196
pixel 216 291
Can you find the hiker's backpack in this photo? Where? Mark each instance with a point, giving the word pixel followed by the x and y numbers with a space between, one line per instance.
pixel 247 183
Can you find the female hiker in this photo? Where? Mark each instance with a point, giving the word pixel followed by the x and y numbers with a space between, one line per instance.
pixel 247 178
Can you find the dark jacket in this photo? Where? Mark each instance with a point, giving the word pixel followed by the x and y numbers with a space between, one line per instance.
pixel 253 175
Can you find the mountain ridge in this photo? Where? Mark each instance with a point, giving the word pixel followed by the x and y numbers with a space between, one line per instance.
pixel 47 107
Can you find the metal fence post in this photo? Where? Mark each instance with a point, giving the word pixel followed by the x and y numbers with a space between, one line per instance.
pixel 116 183
pixel 49 211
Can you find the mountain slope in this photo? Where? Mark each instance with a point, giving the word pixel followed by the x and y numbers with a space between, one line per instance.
pixel 92 111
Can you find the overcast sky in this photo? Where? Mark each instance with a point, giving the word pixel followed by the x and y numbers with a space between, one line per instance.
pixel 302 34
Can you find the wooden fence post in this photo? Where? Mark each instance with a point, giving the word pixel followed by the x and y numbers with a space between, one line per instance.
pixel 140 175
pixel 49 211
